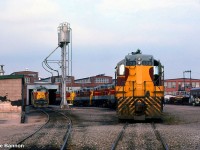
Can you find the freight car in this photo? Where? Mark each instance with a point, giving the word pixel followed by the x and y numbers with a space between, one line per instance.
pixel 139 87
pixel 40 97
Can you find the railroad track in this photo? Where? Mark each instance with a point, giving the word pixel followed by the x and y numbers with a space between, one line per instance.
pixel 114 145
pixel 139 127
pixel 53 134
pixel 159 137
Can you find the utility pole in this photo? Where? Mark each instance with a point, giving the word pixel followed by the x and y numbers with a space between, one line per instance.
pixel 187 71
pixel 63 41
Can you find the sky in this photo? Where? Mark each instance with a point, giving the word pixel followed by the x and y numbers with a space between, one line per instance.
pixel 103 32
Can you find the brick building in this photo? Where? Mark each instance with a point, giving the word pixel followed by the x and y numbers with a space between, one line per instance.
pixel 29 76
pixel 180 84
pixel 73 84
pixel 11 93
pixel 93 81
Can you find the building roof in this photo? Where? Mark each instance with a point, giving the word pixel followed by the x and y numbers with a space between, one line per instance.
pixel 182 79
pixel 11 77
pixel 27 73
pixel 99 75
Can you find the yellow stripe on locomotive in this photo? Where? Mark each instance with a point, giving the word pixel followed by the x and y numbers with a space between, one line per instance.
pixel 139 87
pixel 70 97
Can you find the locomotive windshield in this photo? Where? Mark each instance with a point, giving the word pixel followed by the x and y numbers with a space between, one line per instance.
pixel 139 59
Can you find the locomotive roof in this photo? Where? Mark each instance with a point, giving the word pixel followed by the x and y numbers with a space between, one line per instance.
pixel 195 89
pixel 135 56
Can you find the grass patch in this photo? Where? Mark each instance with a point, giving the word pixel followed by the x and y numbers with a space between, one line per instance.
pixel 170 119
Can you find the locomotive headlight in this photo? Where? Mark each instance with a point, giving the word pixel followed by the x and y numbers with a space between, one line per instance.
pixel 139 61
pixel 121 69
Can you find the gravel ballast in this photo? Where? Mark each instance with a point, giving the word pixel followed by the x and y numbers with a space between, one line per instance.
pixel 97 128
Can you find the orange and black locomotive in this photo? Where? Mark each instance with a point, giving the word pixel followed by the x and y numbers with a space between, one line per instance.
pixel 40 97
pixel 139 89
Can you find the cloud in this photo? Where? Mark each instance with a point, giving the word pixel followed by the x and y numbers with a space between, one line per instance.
pixel 134 21
pixel 101 30
pixel 27 23
pixel 132 6
pixel 28 10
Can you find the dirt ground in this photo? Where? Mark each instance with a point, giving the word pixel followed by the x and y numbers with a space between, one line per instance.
pixel 12 131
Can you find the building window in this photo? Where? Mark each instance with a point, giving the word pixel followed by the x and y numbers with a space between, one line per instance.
pixel 27 80
pixel 165 84
pixel 101 80
pixel 193 84
pixel 83 81
pixel 33 75
pixel 187 84
pixel 181 83
pixel 97 80
pixel 58 80
pixel 169 85
pixel 197 84
pixel 173 84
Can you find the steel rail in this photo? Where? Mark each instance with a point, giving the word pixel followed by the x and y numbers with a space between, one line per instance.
pixel 114 145
pixel 159 137
pixel 66 137
pixel 48 119
pixel 68 132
